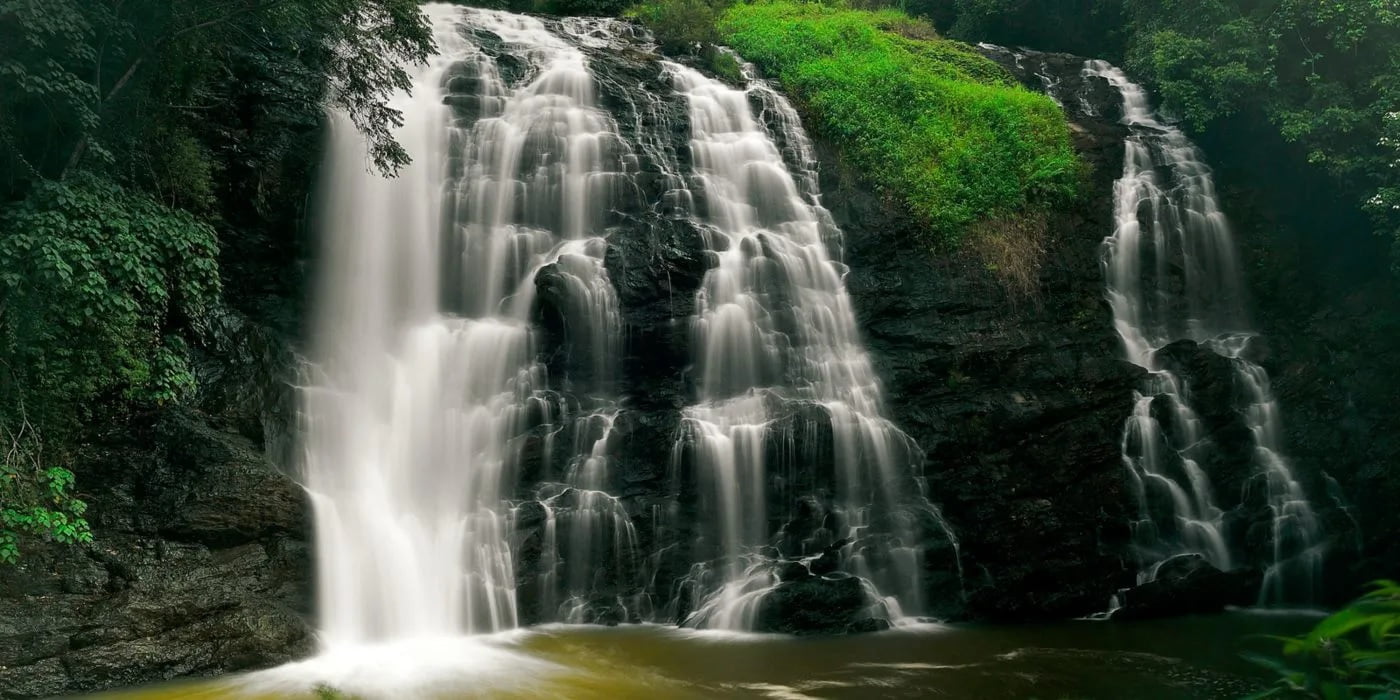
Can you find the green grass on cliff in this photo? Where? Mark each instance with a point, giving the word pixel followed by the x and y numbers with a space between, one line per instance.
pixel 928 120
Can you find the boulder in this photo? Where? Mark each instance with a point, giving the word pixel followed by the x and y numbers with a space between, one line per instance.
pixel 1185 585
pixel 832 604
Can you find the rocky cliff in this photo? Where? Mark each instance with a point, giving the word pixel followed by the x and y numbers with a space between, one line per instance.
pixel 1017 399
pixel 199 566
pixel 1325 306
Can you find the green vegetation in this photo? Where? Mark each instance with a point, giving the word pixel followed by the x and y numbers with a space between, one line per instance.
pixel 1322 75
pixel 930 121
pixel 94 82
pixel 681 25
pixel 326 692
pixel 140 142
pixel 725 66
pixel 95 280
pixel 34 500
pixel 1354 653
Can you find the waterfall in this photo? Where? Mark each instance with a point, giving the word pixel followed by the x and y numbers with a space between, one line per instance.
pixel 779 358
pixel 426 384
pixel 467 411
pixel 1171 276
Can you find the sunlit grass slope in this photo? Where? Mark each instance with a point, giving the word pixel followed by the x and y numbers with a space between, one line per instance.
pixel 928 120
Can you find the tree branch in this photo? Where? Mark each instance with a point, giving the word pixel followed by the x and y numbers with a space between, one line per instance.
pixel 81 146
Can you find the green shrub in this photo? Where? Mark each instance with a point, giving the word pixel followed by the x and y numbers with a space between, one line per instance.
pixel 96 285
pixel 1354 653
pixel 95 282
pixel 326 692
pixel 35 501
pixel 680 25
pixel 929 121
pixel 724 65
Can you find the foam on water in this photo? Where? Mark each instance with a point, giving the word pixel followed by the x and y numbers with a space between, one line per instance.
pixel 424 667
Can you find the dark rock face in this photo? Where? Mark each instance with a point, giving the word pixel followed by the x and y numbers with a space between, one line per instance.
pixel 1330 309
pixel 199 567
pixel 1327 310
pixel 832 604
pixel 1187 584
pixel 1018 403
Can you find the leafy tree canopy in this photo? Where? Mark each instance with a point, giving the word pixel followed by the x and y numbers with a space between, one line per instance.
pixel 138 138
pixel 80 79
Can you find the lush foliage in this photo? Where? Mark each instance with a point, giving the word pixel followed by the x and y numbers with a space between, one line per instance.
pixel 1323 74
pixel 1086 27
pixel 95 284
pixel 681 25
pixel 94 281
pixel 930 120
pixel 109 79
pixel 138 140
pixel 34 500
pixel 1354 653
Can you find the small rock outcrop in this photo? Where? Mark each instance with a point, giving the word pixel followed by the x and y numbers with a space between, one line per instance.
pixel 199 566
pixel 835 603
pixel 1186 585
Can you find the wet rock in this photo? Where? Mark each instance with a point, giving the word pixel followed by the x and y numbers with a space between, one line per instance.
pixel 1060 75
pixel 198 567
pixel 802 526
pixel 869 624
pixel 830 559
pixel 1187 584
pixel 793 571
pixel 1017 402
pixel 816 605
pixel 228 493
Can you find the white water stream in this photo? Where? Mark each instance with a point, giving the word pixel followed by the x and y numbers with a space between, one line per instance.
pixel 775 328
pixel 425 367
pixel 431 421
pixel 1172 275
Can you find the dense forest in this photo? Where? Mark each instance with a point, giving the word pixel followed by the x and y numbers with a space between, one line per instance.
pixel 159 161
pixel 1313 82
pixel 152 151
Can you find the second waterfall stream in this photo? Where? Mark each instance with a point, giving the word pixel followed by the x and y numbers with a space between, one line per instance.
pixel 1173 283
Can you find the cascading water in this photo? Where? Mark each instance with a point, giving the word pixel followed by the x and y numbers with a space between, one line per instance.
pixel 1172 276
pixel 467 397
pixel 777 344
pixel 426 379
